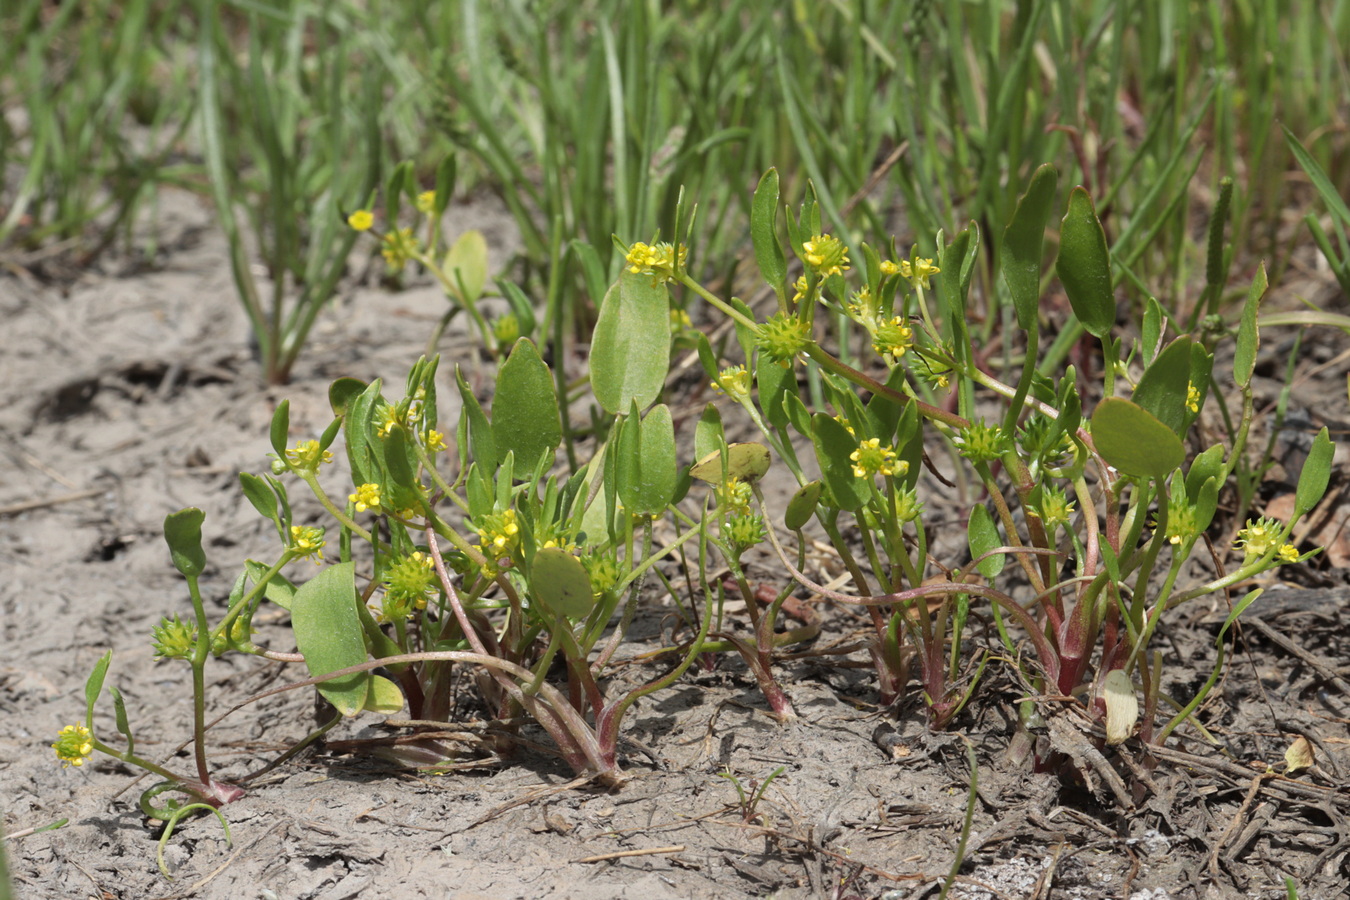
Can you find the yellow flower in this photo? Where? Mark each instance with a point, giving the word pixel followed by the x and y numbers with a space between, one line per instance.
pixel 426 202
pixel 1288 553
pixel 367 497
pixel 307 541
pixel 658 259
pixel 889 268
pixel 891 339
pixel 361 220
pixel 826 254
pixel 399 246
pixel 734 381
pixel 74 744
pixel 308 455
pixel 800 287
pixel 435 441
pixel 919 272
pixel 1192 398
pixel 872 459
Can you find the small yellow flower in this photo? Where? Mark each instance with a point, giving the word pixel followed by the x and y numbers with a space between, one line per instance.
pixel 361 220
pixel 826 254
pixel 680 321
pixel 1192 398
pixel 74 744
pixel 891 339
pixel 388 421
pixel 734 381
pixel 399 246
pixel 307 455
pixel 873 459
pixel 367 497
pixel 1288 553
pixel 435 441
pixel 919 272
pixel 1258 538
pixel 800 288
pixel 426 202
pixel 658 259
pixel 889 268
pixel 307 541
pixel 734 497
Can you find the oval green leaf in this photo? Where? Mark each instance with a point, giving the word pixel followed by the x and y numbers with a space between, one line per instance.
pixel 630 351
pixel 802 506
pixel 1084 266
pixel 1316 474
pixel 1023 242
pixel 745 462
pixel 561 583
pixel 328 633
pixel 764 235
pixel 466 265
pixel 183 533
pixel 1133 441
pixel 525 419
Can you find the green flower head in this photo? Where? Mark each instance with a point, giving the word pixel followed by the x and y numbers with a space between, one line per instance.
pixel 307 542
pixel 826 254
pixel 173 638
pixel 782 337
pixel 74 744
pixel 744 532
pixel 873 459
pixel 308 456
pixel 982 443
pixel 733 381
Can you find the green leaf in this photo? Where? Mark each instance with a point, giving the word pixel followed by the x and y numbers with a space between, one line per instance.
pixel 384 698
pixel 658 468
pixel 630 350
pixel 1133 441
pixel 259 493
pixel 1204 466
pixel 466 266
pixel 279 589
pixel 1150 332
pixel 833 445
pixel 183 533
pixel 445 184
pixel 120 717
pixel 1022 245
pixel 708 436
pixel 328 632
pixel 94 686
pixel 1325 188
pixel 802 506
pixel 1248 337
pixel 281 428
pixel 1084 266
pixel 482 444
pixel 745 462
pixel 982 535
pixel 360 431
pixel 1316 474
pixel 525 416
pixel 1161 390
pixel 773 382
pixel 764 235
pixel 561 583
pixel 342 392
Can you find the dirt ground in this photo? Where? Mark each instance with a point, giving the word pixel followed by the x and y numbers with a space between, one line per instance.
pixel 130 393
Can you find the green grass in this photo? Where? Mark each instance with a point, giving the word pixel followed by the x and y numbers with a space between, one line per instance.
pixel 589 118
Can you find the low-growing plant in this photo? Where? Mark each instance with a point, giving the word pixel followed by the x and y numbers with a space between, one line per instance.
pixel 1100 510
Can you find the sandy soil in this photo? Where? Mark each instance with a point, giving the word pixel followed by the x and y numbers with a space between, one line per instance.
pixel 127 397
